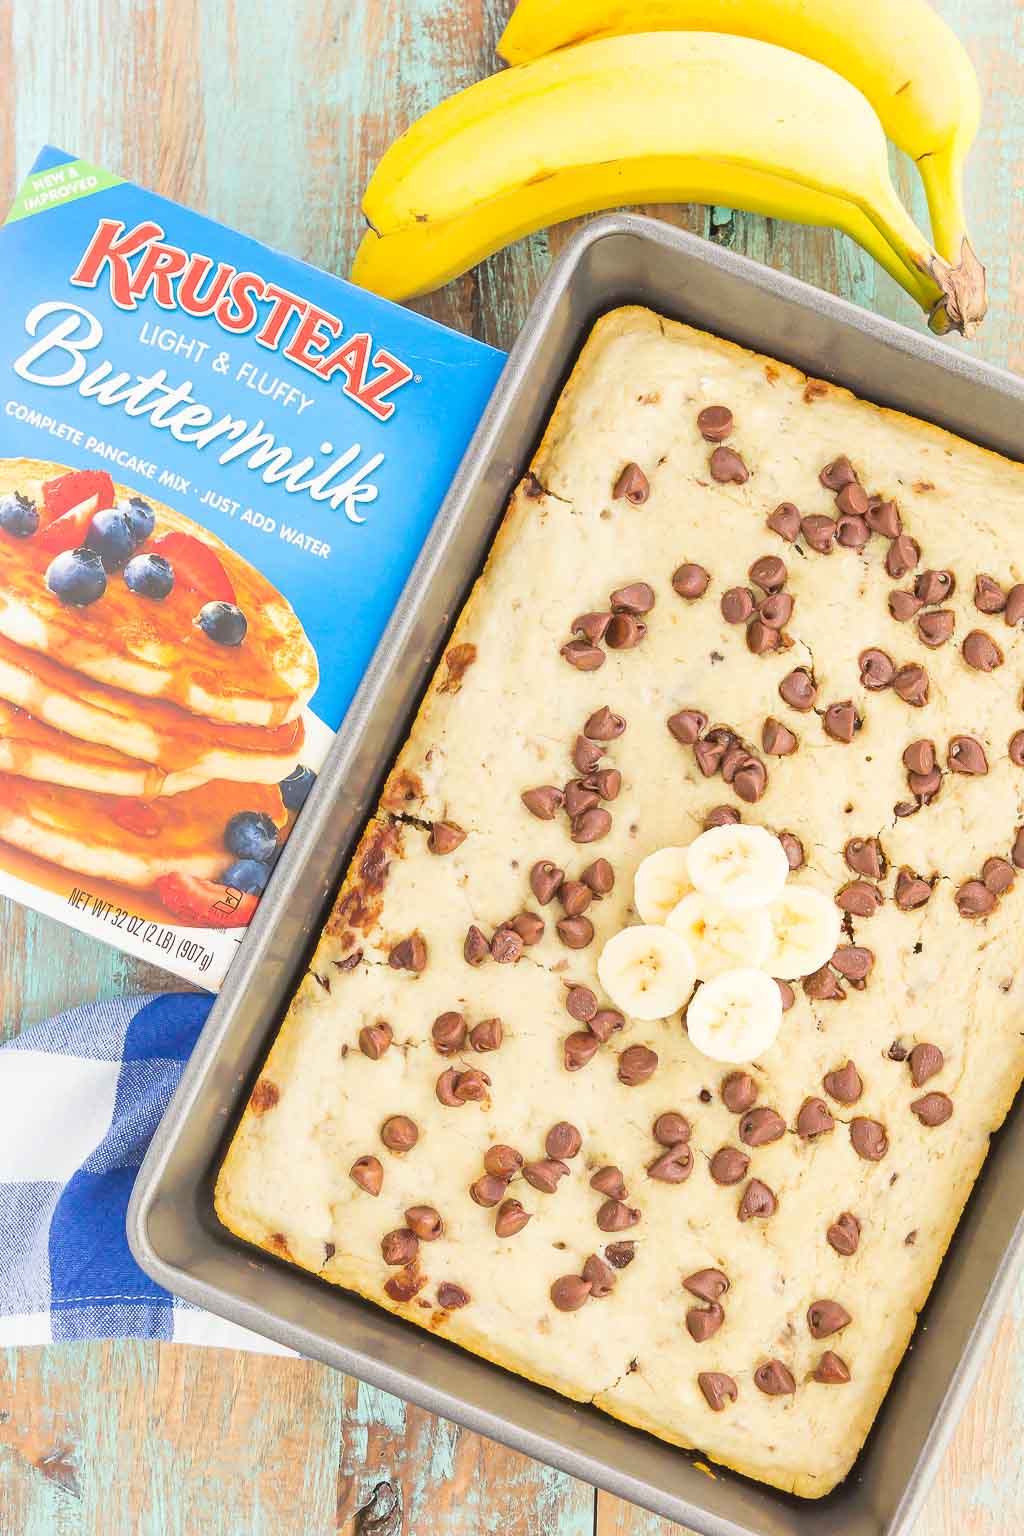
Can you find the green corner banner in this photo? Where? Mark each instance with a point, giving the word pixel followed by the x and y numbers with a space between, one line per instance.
pixel 62 184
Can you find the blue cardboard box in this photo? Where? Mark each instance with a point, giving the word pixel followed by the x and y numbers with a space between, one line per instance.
pixel 217 467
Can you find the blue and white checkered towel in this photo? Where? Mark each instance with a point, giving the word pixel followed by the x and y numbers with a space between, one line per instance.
pixel 80 1098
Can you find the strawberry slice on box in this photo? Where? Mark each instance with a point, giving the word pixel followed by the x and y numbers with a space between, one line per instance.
pixel 71 490
pixel 69 530
pixel 204 903
pixel 196 566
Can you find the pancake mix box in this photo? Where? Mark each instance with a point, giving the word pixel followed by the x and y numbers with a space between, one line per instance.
pixel 217 467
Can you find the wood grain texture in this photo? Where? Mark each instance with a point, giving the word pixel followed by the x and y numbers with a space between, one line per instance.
pixel 271 118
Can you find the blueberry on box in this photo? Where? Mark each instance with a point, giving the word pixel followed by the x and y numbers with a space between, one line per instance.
pixel 296 787
pixel 149 576
pixel 18 515
pixel 77 577
pixel 248 876
pixel 223 622
pixel 110 535
pixel 251 835
pixel 140 516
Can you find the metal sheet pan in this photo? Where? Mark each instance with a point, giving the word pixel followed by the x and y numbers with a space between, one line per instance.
pixel 171 1225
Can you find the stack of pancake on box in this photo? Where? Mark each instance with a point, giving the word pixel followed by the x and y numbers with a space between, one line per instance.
pixel 152 685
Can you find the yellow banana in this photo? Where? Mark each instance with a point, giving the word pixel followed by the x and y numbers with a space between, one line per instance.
pixel 657 117
pixel 899 53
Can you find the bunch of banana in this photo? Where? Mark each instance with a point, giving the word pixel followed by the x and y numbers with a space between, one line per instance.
pixel 644 107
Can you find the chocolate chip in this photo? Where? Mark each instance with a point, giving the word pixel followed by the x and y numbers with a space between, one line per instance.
pixel 563 1140
pixel 877 669
pixel 591 626
pixel 671 1128
pixel 703 1322
pixel 609 1181
pixel 448 1033
pixel 852 532
pixel 933 1109
pixel 919 757
pixel 600 1276
pixel 451 1297
pixel 776 610
pixel 854 962
pixel 399 1247
pixel 1014 610
pixel 774 1378
pixel 1017 853
pixel 604 725
pixel 787 994
pixel 575 897
pixel 445 1087
pixel 585 755
pixel 998 875
pixel 575 932
pixel 844 1234
pixel 793 848
pixel 476 949
pixel 751 781
pixel 901 556
pixel 633 485
pixel 543 802
pixel 869 1139
pixel 911 683
pixel 368 1173
pixel 590 825
pixel 471 1086
pixel 785 521
pixel 374 1040
pixel 777 739
pixel 569 1292
pixel 911 890
pixel 798 689
pixel 760 1126
pixel 841 721
pixel 502 1160
pixel 904 605
pixel 989 596
pixel 936 627
pixel 690 581
pixel 727 467
pixel 399 1133
pixel 729 1165
pixel 739 1092
pixel 582 655
pixel 843 1084
pixel 409 954
pixel 605 1023
pixel 708 756
pixel 545 1173
pixel 722 816
pixel 1016 749
pixel 688 726
pixel 859 898
pixel 934 587
pixel 865 857
pixel 974 899
pixel 637 1063
pixel 511 1218
pixel 769 573
pixel 636 597
pixel 823 987
pixel 737 604
pixel 825 1318
pixel 613 1216
pixel 831 1371
pixel 718 1389
pixel 818 532
pixel 581 1004
pixel 757 1201
pixel 624 632
pixel 813 1119
pixel 837 474
pixel 579 1048
pixel 425 1222
pixel 714 423
pixel 545 880
pixel 403 1286
pixel 966 754
pixel 735 758
pixel 488 1190
pixel 529 927
pixel 599 877
pixel 710 1284
pixel 487 1035
pixel 674 1166
pixel 981 652
pixel 925 1061
pixel 883 517
pixel 607 782
pixel 445 837
pixel 897 1051
pixel 506 946
pixel 620 1255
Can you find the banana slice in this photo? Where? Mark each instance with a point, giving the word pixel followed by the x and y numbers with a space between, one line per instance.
pixel 648 972
pixel 738 867
pixel 807 926
pixel 721 939
pixel 660 883
pixel 736 1017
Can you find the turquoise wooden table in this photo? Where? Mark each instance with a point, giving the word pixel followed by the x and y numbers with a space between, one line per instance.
pixel 270 116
